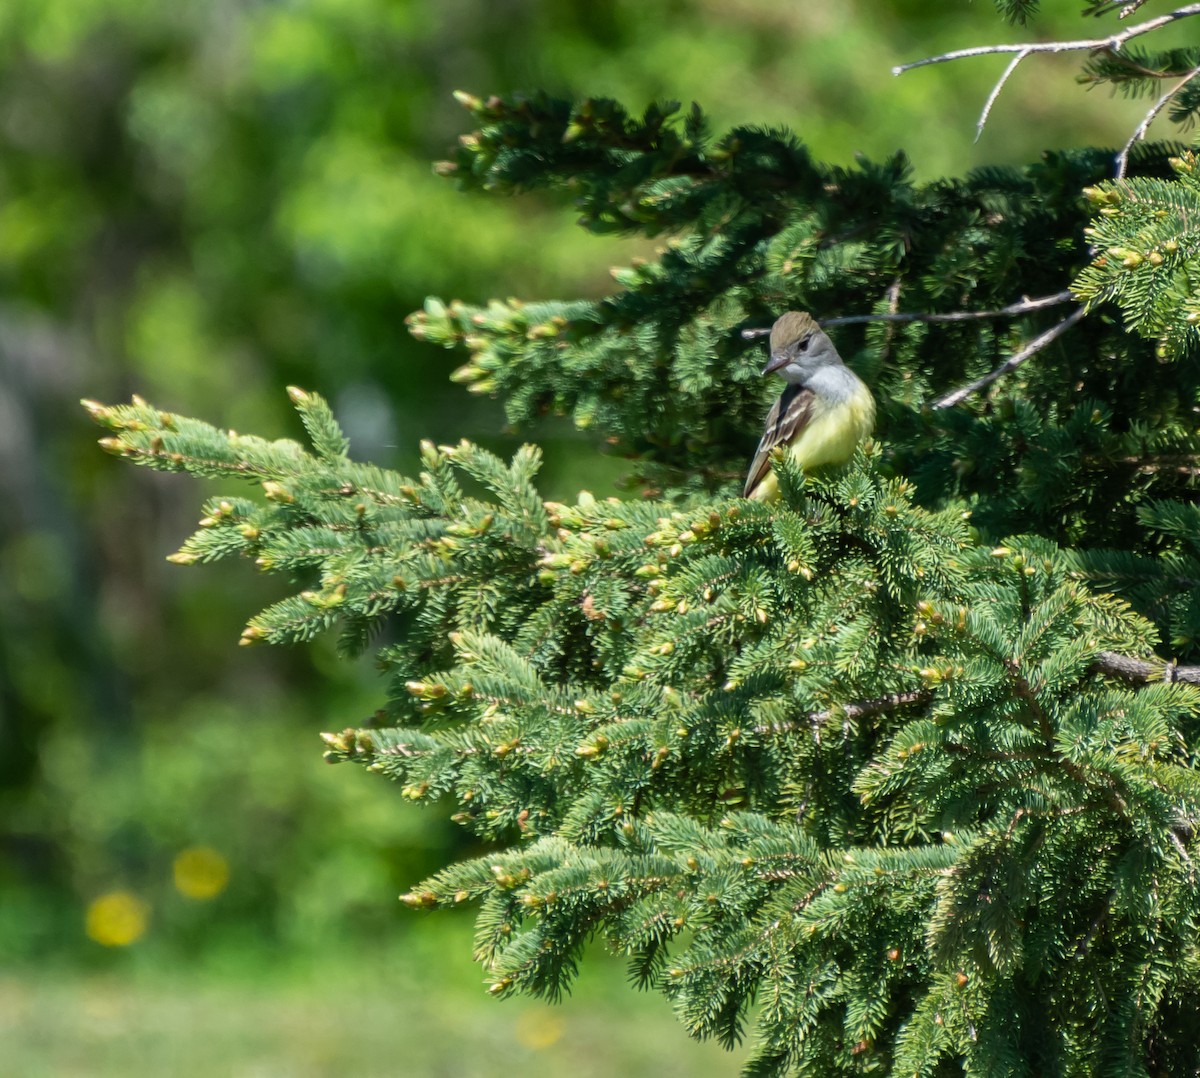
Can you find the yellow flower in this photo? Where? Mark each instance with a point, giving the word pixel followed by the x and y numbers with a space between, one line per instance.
pixel 201 872
pixel 117 919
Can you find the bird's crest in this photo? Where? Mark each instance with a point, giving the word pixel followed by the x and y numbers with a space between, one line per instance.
pixel 793 326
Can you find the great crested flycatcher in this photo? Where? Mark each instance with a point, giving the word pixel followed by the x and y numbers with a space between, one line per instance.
pixel 824 412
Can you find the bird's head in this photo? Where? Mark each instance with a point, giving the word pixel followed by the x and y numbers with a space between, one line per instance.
pixel 799 348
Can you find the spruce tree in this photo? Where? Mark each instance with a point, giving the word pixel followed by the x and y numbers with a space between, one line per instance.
pixel 898 771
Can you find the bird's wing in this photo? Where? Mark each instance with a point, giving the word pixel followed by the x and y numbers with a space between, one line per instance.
pixel 788 417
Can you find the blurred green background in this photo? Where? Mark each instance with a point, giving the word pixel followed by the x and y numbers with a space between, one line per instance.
pixel 204 201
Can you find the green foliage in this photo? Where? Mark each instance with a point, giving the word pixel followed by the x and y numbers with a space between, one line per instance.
pixel 1164 585
pixel 659 367
pixel 120 815
pixel 866 769
pixel 1140 73
pixel 207 200
pixel 1148 256
pixel 830 755
pixel 1018 11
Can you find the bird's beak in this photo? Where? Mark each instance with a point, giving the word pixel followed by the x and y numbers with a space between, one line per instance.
pixel 777 362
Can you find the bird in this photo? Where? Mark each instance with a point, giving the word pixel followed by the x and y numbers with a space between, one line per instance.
pixel 825 411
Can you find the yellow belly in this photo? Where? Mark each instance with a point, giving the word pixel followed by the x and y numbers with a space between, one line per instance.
pixel 830 437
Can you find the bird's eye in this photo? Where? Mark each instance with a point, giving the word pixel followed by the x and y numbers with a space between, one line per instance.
pixel 804 344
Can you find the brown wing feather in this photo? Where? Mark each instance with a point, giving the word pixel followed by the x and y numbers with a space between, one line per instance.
pixel 788 416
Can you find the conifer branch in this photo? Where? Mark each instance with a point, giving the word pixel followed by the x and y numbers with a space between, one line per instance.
pixel 1047 730
pixel 616 692
pixel 1125 667
pixel 1148 119
pixel 1012 363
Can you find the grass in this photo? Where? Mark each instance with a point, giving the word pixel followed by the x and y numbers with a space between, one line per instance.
pixel 416 1008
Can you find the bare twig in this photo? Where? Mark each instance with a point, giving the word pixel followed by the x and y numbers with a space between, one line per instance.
pixel 893 304
pixel 987 106
pixel 1125 10
pixel 1178 463
pixel 1113 41
pixel 1012 363
pixel 893 295
pixel 1148 119
pixel 1142 671
pixel 848 712
pixel 1022 306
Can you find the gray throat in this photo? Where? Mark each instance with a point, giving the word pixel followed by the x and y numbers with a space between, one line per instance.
pixel 834 382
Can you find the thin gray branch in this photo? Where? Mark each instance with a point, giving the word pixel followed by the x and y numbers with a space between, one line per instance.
pixel 1012 363
pixel 848 712
pixel 987 106
pixel 893 295
pixel 1142 671
pixel 1022 306
pixel 1178 463
pixel 1113 41
pixel 1148 119
pixel 893 305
